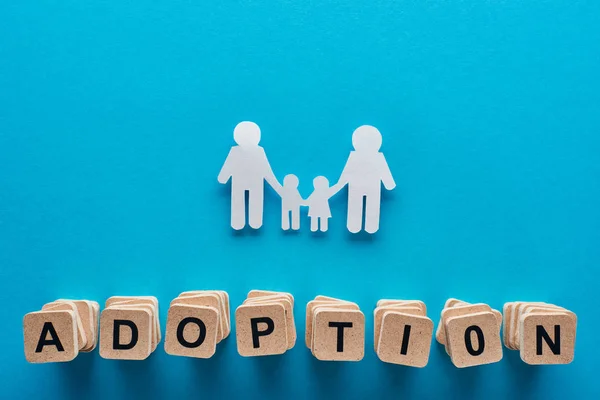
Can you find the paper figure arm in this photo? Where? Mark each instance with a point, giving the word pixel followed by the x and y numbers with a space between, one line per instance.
pixel 307 201
pixel 270 176
pixel 345 173
pixel 335 189
pixel 301 201
pixel 226 170
pixel 386 174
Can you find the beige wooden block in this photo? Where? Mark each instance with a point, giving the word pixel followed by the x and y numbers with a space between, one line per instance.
pixel 126 334
pixel 517 311
pixel 128 299
pixel 525 307
pixel 154 334
pixel 496 313
pixel 339 335
pixel 473 339
pixel 532 309
pixel 224 312
pixel 227 308
pixel 506 324
pixel 224 309
pixel 455 311
pixel 204 299
pixel 452 302
pixel 140 300
pixel 86 314
pixel 548 337
pixel 114 299
pixel 95 311
pixel 289 313
pixel 154 326
pixel 321 301
pixel 378 317
pixel 260 293
pixel 498 316
pixel 519 308
pixel 310 309
pixel 321 297
pixel 391 302
pixel 145 305
pixel 70 306
pixel 191 331
pixel 261 329
pixel 513 339
pixel 513 324
pixel 95 322
pixel 227 312
pixel 50 336
pixel 405 339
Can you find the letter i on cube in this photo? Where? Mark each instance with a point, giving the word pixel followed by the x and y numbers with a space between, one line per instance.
pixel 403 332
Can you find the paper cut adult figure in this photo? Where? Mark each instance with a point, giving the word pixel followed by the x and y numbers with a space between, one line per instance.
pixel 291 200
pixel 365 171
pixel 248 167
pixel 318 203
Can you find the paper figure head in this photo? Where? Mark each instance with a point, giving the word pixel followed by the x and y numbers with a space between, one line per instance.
pixel 290 180
pixel 366 138
pixel 320 182
pixel 246 133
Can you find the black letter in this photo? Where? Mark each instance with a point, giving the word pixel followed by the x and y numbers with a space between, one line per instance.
pixel 256 333
pixel 340 333
pixel 480 340
pixel 117 333
pixel 54 340
pixel 201 335
pixel 540 333
pixel 405 338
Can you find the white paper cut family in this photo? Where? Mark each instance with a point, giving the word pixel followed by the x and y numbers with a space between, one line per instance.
pixel 248 168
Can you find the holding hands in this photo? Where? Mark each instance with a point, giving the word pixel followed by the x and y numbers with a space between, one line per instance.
pixel 248 168
pixel 317 203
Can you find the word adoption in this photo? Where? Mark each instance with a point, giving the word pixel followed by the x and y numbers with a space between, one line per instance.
pixel 128 328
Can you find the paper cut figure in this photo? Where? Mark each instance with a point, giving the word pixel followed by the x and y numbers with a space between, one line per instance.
pixel 318 203
pixel 248 167
pixel 291 200
pixel 365 171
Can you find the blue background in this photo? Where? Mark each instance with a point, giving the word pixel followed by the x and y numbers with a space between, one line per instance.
pixel 116 116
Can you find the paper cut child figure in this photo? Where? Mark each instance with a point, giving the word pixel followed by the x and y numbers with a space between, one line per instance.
pixel 248 167
pixel 318 203
pixel 365 171
pixel 291 200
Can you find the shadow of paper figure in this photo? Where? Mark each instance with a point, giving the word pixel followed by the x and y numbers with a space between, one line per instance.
pixel 248 168
pixel 364 172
